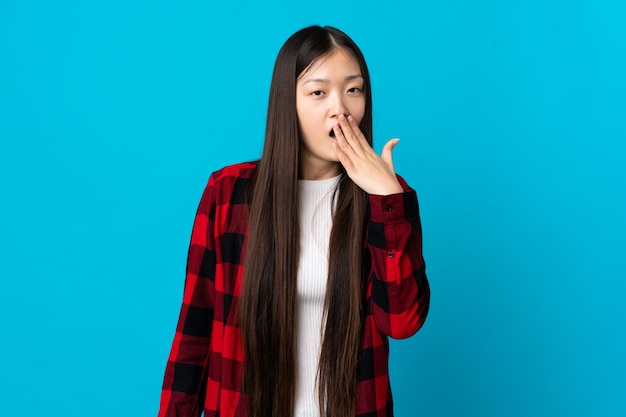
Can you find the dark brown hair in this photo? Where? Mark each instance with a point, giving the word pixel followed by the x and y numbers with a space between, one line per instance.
pixel 268 303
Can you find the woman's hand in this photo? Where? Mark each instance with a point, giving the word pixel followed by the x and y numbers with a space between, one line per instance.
pixel 373 173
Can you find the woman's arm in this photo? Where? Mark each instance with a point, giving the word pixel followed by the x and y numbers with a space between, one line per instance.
pixel 398 290
pixel 186 372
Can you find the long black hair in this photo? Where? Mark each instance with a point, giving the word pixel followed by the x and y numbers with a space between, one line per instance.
pixel 268 305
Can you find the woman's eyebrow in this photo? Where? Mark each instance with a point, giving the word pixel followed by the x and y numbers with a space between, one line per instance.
pixel 325 81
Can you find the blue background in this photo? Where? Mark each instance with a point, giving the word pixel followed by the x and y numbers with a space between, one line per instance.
pixel 511 116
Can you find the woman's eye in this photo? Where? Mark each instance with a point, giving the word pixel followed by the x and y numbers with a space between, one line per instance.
pixel 317 93
pixel 354 90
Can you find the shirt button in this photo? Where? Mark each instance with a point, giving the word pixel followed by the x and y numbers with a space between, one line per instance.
pixel 388 207
pixel 390 254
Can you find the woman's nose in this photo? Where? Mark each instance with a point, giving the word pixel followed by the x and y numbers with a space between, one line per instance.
pixel 338 107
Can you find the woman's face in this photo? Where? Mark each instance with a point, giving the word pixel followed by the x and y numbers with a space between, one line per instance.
pixel 331 86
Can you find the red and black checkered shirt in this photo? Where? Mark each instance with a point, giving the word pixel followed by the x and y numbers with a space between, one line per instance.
pixel 204 370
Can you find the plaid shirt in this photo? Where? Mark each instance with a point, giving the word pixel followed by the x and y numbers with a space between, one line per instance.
pixel 204 370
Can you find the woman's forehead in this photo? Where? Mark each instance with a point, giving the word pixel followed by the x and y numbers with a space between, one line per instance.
pixel 339 63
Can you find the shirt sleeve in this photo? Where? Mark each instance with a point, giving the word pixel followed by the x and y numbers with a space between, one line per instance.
pixel 398 290
pixel 185 378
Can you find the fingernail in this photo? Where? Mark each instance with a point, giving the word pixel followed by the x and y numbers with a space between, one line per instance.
pixel 350 118
pixel 342 117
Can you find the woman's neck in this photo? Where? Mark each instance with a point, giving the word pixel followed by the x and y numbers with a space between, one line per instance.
pixel 319 172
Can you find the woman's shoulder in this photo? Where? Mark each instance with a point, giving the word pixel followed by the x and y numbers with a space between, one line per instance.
pixel 229 184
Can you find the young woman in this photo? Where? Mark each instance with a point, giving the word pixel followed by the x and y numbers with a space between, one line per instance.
pixel 303 263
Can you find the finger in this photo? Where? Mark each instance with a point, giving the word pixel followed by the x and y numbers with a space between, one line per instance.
pixel 343 143
pixel 343 158
pixel 355 127
pixel 353 134
pixel 387 149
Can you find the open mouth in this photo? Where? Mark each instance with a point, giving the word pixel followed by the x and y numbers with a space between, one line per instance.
pixel 332 133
